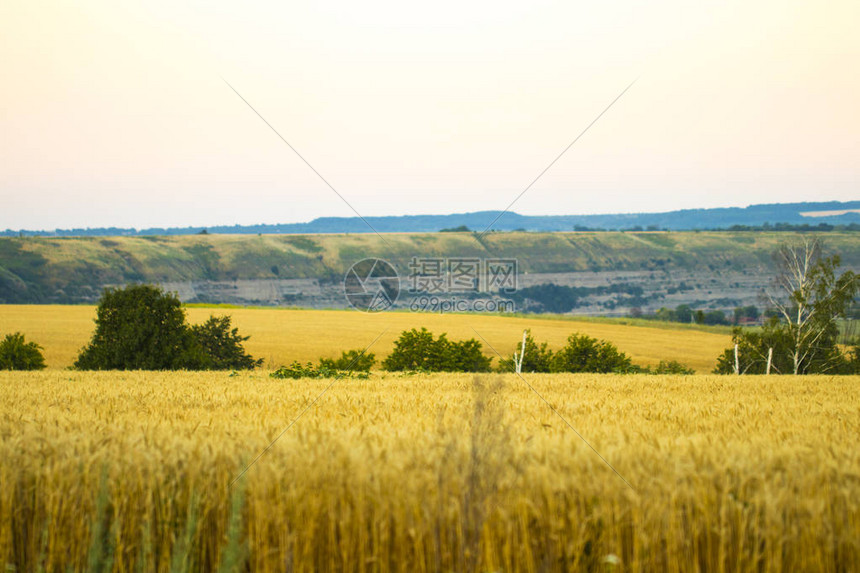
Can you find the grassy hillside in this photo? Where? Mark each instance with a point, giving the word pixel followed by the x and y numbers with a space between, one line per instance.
pixel 280 336
pixel 62 270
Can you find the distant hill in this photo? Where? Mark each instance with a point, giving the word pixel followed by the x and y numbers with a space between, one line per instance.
pixel 829 213
pixel 309 269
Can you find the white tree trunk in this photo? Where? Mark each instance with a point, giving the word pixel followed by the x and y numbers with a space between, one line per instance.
pixel 737 362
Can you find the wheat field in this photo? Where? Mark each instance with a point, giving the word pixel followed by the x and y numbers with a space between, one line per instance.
pixel 132 471
pixel 280 336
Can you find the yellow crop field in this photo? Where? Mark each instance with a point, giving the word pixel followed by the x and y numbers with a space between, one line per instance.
pixel 132 471
pixel 280 336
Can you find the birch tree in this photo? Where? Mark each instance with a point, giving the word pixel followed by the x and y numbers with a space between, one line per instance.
pixel 809 297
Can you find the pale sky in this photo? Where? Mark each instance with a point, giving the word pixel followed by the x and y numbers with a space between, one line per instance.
pixel 115 113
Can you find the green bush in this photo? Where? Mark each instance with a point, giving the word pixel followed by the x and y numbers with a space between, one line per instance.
pixel 753 345
pixel 357 360
pixel 16 354
pixel 140 327
pixel 419 350
pixel 351 364
pixel 670 367
pixel 466 356
pixel 297 370
pixel 802 335
pixel 753 348
pixel 537 358
pixel 416 350
pixel 221 346
pixel 586 354
pixel 852 359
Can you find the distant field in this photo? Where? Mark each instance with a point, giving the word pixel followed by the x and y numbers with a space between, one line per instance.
pixel 280 336
pixel 130 471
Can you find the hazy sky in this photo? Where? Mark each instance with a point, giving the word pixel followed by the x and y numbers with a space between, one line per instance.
pixel 113 113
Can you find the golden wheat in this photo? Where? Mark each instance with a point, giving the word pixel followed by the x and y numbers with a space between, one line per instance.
pixel 280 336
pixel 131 472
